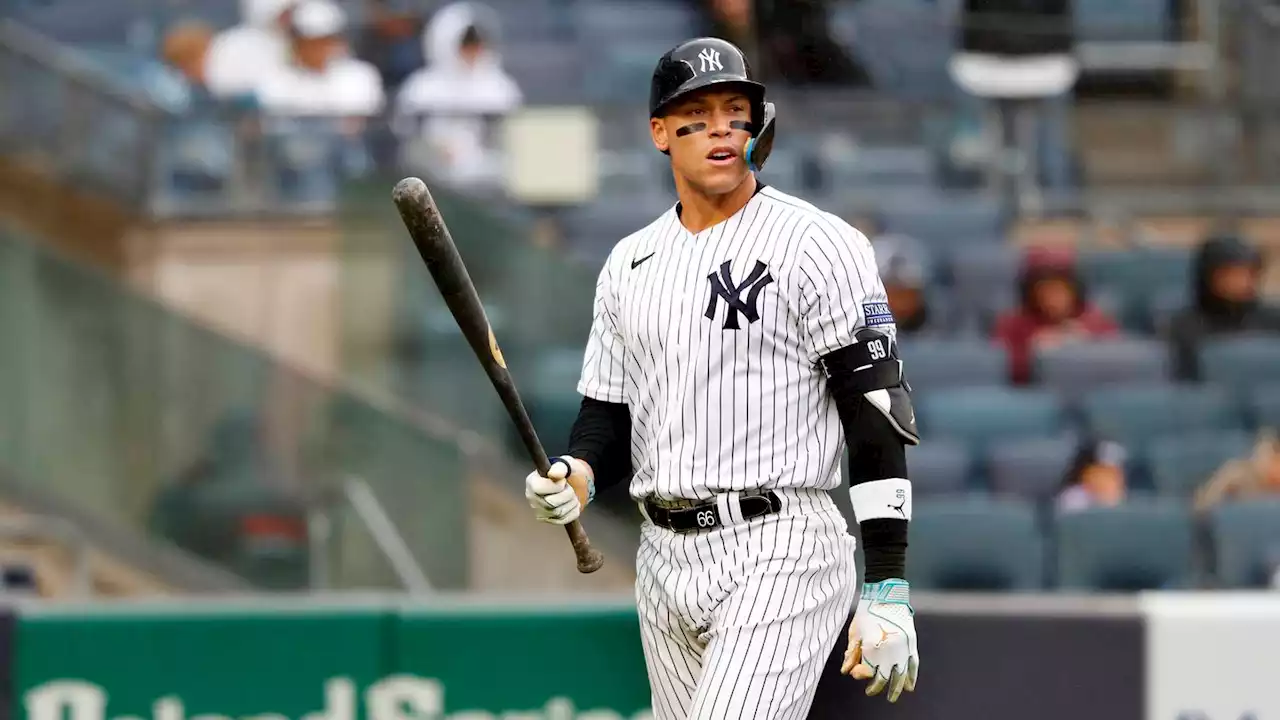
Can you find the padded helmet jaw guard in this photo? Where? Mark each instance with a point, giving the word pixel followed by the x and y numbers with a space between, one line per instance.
pixel 705 62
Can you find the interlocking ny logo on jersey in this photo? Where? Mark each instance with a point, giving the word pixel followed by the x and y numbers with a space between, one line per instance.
pixel 710 60
pixel 722 286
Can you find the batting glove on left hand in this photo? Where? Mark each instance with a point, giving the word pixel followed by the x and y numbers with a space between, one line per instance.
pixel 882 639
pixel 560 497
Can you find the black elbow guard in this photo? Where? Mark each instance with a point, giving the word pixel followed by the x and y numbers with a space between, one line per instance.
pixel 872 369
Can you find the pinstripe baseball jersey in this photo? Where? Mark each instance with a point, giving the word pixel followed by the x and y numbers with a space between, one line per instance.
pixel 712 339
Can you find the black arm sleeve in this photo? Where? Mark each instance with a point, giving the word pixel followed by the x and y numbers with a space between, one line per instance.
pixel 876 452
pixel 601 437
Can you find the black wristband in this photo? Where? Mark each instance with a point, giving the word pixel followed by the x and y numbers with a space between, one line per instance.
pixel 884 549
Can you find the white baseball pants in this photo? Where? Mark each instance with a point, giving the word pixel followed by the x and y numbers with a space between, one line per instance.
pixel 737 622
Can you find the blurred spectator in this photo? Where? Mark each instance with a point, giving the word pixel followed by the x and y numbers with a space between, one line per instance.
pixel 1255 476
pixel 197 155
pixel 794 42
pixel 320 78
pixel 391 41
pixel 1095 477
pixel 1225 299
pixel 733 20
pixel 239 56
pixel 1055 310
pixel 904 269
pixel 181 83
pixel 449 103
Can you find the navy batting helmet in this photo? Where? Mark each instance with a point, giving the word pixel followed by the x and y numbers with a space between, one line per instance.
pixel 704 62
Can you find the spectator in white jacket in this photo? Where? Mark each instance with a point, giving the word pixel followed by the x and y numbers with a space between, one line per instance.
pixel 239 56
pixel 321 78
pixel 448 104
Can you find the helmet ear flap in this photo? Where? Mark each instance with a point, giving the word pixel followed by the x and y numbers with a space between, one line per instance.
pixel 761 143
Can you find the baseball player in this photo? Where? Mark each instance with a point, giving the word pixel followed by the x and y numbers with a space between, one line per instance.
pixel 739 342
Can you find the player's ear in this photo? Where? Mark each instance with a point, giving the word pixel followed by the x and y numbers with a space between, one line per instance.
pixel 658 129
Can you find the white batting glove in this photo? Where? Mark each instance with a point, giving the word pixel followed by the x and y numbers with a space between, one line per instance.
pixel 882 639
pixel 560 497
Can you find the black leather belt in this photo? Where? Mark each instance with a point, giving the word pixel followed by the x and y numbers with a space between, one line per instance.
pixel 706 516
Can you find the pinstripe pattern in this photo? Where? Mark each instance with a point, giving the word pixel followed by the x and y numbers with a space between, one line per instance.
pixel 714 409
pixel 736 622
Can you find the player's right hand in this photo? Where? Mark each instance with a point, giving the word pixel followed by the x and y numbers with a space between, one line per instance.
pixel 560 497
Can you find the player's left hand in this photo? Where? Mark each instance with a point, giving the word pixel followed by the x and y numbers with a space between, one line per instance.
pixel 882 639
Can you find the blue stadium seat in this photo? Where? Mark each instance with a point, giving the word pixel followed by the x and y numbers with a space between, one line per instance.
pixel 609 220
pixel 663 23
pixel 1241 363
pixel 1263 406
pixel 1136 414
pixel 939 467
pixel 932 365
pixel 1182 463
pixel 1246 542
pixel 878 167
pixel 993 415
pixel 1122 20
pixel 621 69
pixel 547 72
pixel 985 279
pixel 948 221
pixel 1032 469
pixel 533 20
pixel 904 45
pixel 1136 278
pixel 1141 545
pixel 975 543
pixel 1078 368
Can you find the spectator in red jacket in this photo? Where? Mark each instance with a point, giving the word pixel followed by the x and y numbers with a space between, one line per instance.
pixel 1055 310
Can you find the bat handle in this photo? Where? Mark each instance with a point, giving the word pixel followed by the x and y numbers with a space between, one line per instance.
pixel 589 559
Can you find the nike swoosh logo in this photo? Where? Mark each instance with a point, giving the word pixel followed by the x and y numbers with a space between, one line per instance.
pixel 636 263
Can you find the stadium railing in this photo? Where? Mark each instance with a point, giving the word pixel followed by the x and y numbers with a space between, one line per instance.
pixel 148 422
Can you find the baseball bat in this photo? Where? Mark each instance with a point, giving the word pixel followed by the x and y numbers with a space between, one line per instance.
pixel 434 243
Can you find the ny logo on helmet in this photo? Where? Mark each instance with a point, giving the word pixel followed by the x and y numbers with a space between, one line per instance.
pixel 710 60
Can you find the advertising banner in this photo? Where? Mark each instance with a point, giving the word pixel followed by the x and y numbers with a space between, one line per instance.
pixel 294 662
pixel 1213 656
pixel 987 666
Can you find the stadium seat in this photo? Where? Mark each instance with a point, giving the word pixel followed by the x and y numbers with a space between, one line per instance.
pixel 946 222
pixel 1263 406
pixel 1141 545
pixel 1078 368
pixel 1246 541
pixel 1180 464
pixel 1032 469
pixel 661 23
pixel 985 279
pixel 975 543
pixel 939 467
pixel 1122 20
pixel 1135 278
pixel 1136 414
pixel 932 365
pixel 546 72
pixel 1241 363
pixel 989 416
pixel 605 222
pixel 904 45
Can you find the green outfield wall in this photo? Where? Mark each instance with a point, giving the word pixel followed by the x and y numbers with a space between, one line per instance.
pixel 374 661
